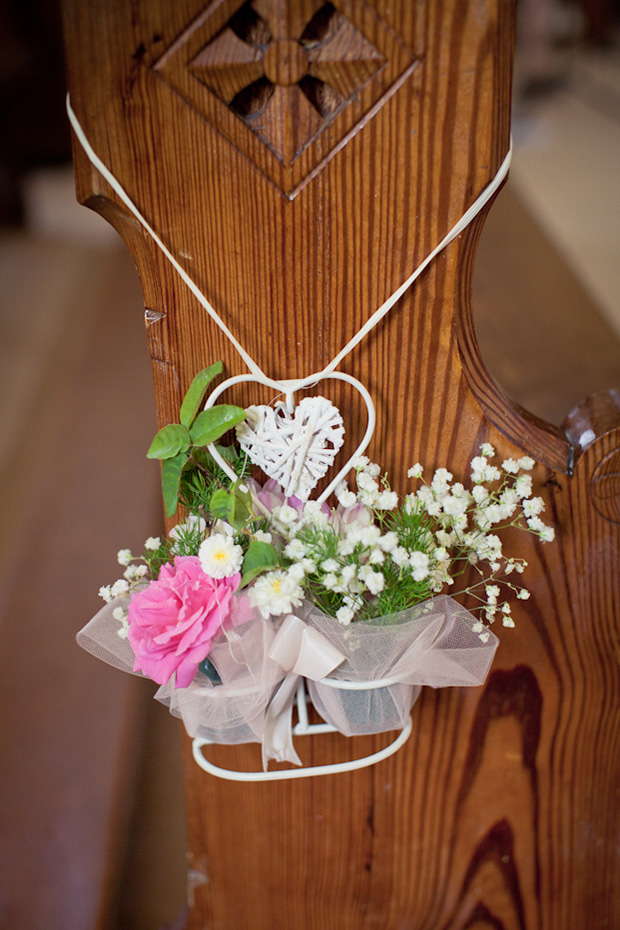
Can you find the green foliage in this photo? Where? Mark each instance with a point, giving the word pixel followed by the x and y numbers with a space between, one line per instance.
pixel 214 422
pixel 231 505
pixel 238 462
pixel 260 557
pixel 170 480
pixel 414 528
pixel 158 557
pixel 187 538
pixel 400 592
pixel 168 442
pixel 195 395
pixel 188 471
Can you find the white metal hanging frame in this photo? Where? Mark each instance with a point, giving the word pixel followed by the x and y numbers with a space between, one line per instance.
pixel 289 387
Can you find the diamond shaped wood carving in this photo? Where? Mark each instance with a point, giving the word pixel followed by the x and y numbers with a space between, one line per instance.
pixel 286 83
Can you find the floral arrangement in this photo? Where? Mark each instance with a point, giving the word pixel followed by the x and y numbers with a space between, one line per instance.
pixel 244 550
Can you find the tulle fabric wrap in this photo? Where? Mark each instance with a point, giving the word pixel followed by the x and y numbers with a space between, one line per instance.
pixel 231 712
pixel 429 644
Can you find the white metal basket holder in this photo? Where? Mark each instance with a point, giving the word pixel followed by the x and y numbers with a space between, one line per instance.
pixel 296 444
pixel 304 728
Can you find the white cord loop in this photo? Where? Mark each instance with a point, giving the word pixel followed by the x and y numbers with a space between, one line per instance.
pixel 288 387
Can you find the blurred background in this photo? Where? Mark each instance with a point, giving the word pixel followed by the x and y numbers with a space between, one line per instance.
pixel 91 798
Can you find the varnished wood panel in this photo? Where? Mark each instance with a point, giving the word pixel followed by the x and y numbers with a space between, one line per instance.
pixel 500 810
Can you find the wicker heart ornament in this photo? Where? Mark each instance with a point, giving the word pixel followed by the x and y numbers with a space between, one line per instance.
pixel 296 449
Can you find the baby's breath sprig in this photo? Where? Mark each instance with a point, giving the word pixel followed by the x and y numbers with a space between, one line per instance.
pixel 370 557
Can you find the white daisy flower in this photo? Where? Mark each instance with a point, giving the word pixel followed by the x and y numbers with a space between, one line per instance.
pixel 220 557
pixel 275 593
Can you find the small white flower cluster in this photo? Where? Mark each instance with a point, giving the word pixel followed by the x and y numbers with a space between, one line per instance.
pixel 133 578
pixel 372 555
pixel 133 574
pixel 466 517
pixel 345 559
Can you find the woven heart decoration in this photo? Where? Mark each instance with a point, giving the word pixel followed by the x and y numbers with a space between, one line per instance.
pixel 290 387
pixel 295 449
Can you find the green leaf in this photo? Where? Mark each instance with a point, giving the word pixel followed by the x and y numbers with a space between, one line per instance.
pixel 260 557
pixel 170 480
pixel 228 453
pixel 168 442
pixel 214 422
pixel 232 506
pixel 222 505
pixel 204 458
pixel 243 505
pixel 196 393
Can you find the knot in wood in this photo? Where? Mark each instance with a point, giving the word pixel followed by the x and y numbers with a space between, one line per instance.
pixel 286 62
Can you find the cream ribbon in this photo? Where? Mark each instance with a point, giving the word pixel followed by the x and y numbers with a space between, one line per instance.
pixel 302 652
pixel 288 387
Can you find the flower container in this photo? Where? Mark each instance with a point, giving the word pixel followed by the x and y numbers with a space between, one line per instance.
pixel 233 711
pixel 389 658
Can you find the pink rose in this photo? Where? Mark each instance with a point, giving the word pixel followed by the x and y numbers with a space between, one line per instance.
pixel 173 621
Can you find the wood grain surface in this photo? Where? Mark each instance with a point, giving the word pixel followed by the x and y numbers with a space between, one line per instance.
pixel 501 811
